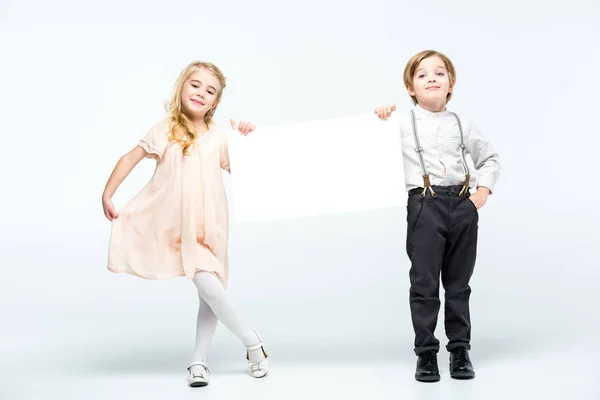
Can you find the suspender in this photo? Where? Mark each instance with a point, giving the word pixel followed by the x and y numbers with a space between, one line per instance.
pixel 425 173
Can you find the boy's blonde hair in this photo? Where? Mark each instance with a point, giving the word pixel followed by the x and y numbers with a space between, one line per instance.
pixel 182 129
pixel 413 64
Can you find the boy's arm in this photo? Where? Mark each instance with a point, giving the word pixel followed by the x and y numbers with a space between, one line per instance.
pixel 485 158
pixel 384 112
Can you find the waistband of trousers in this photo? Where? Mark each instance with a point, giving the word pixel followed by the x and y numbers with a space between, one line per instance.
pixel 453 190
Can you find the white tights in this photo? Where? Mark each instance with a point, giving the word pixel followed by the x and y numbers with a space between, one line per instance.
pixel 214 305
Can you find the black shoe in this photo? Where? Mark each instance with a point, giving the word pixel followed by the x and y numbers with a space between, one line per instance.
pixel 460 364
pixel 427 367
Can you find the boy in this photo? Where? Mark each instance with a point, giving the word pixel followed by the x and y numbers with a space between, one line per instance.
pixel 442 213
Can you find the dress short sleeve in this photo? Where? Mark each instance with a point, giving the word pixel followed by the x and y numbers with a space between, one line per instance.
pixel 155 142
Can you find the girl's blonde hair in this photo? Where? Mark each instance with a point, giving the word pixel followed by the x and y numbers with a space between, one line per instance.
pixel 413 64
pixel 182 129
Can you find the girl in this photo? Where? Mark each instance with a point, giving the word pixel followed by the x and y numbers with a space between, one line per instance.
pixel 178 224
pixel 442 213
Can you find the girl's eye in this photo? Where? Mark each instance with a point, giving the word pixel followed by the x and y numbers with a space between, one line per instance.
pixel 195 86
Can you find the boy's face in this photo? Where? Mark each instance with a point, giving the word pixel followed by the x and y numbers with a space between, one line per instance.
pixel 431 83
pixel 200 92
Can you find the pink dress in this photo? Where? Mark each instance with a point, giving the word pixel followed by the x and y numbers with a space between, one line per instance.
pixel 178 223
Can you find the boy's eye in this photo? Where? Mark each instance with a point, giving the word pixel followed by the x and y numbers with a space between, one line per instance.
pixel 440 73
pixel 421 76
pixel 211 92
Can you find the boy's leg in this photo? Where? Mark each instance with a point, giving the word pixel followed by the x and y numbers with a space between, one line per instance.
pixel 425 244
pixel 459 263
pixel 457 269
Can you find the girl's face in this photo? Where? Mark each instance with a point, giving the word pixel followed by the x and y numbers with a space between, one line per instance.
pixel 200 93
pixel 431 84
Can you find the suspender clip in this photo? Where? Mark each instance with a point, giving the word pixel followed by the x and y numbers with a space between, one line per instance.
pixel 465 187
pixel 427 185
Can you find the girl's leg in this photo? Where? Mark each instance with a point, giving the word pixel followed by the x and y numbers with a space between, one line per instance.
pixel 212 292
pixel 206 325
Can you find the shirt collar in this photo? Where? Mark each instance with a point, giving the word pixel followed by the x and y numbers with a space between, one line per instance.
pixel 420 110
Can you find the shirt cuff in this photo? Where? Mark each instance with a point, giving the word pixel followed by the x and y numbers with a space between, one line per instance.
pixel 488 181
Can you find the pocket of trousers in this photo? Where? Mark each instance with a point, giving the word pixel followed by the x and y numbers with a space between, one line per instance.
pixel 472 205
pixel 413 211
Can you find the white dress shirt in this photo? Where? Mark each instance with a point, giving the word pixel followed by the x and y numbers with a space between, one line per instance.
pixel 439 136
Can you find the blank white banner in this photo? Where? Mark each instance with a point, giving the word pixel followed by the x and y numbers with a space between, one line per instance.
pixel 315 168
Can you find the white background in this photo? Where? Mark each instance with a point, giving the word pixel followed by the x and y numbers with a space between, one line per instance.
pixel 81 82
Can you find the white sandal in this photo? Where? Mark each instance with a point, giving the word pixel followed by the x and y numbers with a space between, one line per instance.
pixel 198 380
pixel 261 369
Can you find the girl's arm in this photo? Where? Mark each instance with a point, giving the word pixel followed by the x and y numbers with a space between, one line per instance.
pixel 123 168
pixel 244 128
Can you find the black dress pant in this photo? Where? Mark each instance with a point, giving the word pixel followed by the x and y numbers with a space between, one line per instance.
pixel 441 240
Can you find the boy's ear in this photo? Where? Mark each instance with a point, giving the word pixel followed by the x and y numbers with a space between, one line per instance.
pixel 410 90
pixel 451 86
